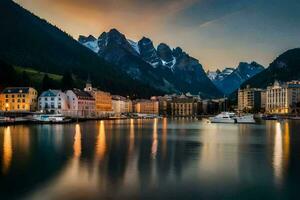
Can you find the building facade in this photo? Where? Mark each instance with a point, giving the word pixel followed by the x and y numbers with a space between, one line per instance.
pixel 146 107
pixel 53 101
pixel 214 106
pixel 282 98
pixel 165 104
pixel 19 99
pixel 103 100
pixel 249 99
pixel 184 106
pixel 121 105
pixel 81 104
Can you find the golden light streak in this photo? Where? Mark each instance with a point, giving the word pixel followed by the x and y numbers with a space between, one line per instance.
pixel 101 142
pixel 77 142
pixel 164 136
pixel 131 136
pixel 154 140
pixel 7 150
pixel 286 145
pixel 277 154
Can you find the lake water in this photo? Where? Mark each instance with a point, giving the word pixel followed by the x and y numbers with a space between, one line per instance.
pixel 150 159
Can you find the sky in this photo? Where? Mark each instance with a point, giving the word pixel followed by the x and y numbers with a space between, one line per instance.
pixel 219 33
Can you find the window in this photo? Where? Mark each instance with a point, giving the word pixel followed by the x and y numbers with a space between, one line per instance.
pixel 23 100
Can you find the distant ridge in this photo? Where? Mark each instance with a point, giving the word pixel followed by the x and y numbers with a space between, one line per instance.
pixel 231 79
pixel 285 67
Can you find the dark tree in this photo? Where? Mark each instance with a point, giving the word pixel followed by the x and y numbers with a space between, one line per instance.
pixel 25 80
pixel 7 74
pixel 67 81
pixel 47 83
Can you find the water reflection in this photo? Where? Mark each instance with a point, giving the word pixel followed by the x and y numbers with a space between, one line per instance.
pixel 277 156
pixel 281 151
pixel 219 158
pixel 77 142
pixel 7 150
pixel 164 136
pixel 151 159
pixel 101 142
pixel 131 137
pixel 154 140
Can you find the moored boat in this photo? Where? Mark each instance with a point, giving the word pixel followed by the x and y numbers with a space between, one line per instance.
pixel 224 117
pixel 227 117
pixel 50 118
pixel 245 119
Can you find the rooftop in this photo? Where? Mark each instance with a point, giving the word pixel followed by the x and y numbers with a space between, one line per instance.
pixel 14 90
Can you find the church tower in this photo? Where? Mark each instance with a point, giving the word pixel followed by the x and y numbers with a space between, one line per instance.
pixel 88 85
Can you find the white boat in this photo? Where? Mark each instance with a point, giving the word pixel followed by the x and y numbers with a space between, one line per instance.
pixel 245 119
pixel 227 117
pixel 224 117
pixel 50 118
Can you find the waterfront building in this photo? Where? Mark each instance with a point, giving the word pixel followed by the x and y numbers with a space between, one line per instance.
pixel 121 105
pixel 263 102
pixel 103 100
pixel 81 104
pixel 53 101
pixel 165 104
pixel 214 106
pixel 184 106
pixel 283 98
pixel 250 99
pixel 2 100
pixel 144 106
pixel 18 99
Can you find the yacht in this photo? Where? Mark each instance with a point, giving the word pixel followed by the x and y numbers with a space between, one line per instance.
pixel 245 119
pixel 224 117
pixel 227 117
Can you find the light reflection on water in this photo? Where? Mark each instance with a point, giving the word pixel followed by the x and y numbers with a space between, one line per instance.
pixel 160 158
pixel 7 150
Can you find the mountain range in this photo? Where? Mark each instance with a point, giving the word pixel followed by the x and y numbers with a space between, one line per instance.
pixel 230 79
pixel 120 65
pixel 166 69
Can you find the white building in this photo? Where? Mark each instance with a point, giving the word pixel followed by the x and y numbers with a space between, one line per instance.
pixel 121 105
pixel 282 98
pixel 53 101
pixel 81 104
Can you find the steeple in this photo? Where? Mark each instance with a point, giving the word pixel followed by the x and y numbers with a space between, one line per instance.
pixel 88 85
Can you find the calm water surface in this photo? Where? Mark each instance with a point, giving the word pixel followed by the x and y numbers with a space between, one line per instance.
pixel 150 159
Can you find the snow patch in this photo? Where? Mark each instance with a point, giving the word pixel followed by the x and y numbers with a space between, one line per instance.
pixel 93 45
pixel 134 45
